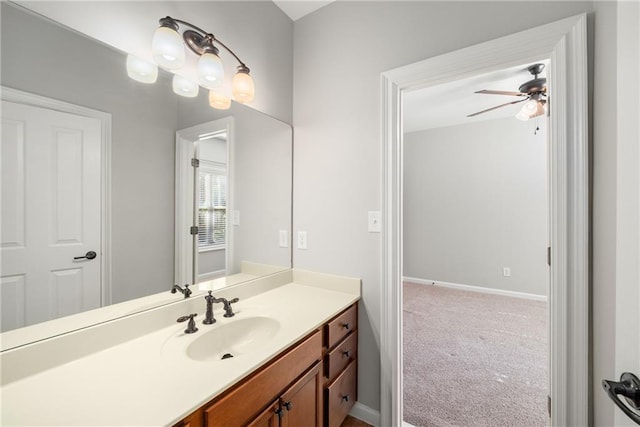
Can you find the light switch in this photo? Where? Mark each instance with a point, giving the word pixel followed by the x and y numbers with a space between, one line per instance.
pixel 375 225
pixel 235 218
pixel 506 272
pixel 284 239
pixel 302 240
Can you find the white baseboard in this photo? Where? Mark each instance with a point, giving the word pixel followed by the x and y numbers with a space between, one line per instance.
pixel 369 416
pixel 480 289
pixel 366 414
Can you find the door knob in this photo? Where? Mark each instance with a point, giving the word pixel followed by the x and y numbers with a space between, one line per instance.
pixel 88 255
pixel 629 387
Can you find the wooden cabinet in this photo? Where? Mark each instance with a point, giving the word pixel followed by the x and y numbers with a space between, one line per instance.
pixel 340 369
pixel 304 386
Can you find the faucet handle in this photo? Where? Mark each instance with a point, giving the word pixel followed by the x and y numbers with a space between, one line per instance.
pixel 228 311
pixel 191 326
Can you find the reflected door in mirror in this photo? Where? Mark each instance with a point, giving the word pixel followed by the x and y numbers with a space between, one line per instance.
pixel 51 197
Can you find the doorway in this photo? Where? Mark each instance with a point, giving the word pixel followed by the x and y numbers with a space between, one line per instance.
pixel 55 209
pixel 565 43
pixel 475 238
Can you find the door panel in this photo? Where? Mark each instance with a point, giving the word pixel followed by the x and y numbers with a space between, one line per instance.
pixel 51 212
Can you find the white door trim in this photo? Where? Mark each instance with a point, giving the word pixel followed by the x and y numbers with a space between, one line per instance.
pixel 185 264
pixel 26 98
pixel 565 42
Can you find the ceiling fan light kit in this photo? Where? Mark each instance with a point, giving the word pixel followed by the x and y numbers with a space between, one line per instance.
pixel 533 93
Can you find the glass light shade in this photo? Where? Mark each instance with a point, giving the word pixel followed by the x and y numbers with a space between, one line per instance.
pixel 210 70
pixel 140 70
pixel 167 48
pixel 529 110
pixel 243 88
pixel 185 87
pixel 219 101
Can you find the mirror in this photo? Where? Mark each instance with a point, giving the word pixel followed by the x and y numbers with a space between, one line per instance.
pixel 139 236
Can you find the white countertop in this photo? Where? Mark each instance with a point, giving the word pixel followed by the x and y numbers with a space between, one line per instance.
pixel 145 381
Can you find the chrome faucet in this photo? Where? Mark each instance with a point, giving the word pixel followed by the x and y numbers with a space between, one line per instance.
pixel 186 291
pixel 208 318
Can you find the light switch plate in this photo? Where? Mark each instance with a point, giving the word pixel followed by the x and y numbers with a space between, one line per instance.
pixel 302 240
pixel 235 218
pixel 284 238
pixel 375 225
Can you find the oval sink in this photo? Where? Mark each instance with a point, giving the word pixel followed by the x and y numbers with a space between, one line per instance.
pixel 233 339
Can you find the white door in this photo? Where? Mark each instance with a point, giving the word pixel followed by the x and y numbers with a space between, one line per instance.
pixel 50 197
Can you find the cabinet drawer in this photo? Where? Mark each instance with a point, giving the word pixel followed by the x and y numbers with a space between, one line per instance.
pixel 341 326
pixel 338 358
pixel 340 396
pixel 244 401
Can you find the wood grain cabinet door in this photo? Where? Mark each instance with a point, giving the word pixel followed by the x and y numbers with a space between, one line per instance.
pixel 269 417
pixel 302 402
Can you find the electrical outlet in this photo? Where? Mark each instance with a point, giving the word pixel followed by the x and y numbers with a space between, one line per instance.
pixel 506 272
pixel 302 240
pixel 374 222
pixel 284 239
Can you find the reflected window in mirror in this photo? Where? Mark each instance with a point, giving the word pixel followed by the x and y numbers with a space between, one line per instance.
pixel 212 206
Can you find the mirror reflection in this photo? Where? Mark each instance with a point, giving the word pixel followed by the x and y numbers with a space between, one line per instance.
pixel 112 175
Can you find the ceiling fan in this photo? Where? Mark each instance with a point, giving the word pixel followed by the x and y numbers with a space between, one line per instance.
pixel 534 92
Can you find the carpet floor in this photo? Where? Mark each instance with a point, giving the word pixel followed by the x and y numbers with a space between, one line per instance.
pixel 473 359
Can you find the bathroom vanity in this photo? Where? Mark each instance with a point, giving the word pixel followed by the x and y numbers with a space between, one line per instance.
pixel 287 357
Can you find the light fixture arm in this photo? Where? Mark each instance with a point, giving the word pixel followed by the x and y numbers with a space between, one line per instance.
pixel 200 41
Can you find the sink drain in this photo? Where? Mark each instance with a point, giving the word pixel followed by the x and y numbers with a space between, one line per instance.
pixel 227 356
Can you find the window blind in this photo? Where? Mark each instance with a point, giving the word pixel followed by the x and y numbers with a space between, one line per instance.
pixel 212 207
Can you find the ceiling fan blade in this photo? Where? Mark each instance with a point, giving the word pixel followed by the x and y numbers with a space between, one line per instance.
pixel 496 107
pixel 500 92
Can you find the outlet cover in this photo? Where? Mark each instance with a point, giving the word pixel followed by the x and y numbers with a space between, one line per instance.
pixel 284 238
pixel 374 223
pixel 302 240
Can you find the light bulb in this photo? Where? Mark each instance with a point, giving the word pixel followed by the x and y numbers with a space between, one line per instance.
pixel 167 48
pixel 243 88
pixel 140 70
pixel 185 87
pixel 210 70
pixel 219 101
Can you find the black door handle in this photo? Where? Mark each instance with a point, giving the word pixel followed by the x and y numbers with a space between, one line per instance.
pixel 629 387
pixel 88 255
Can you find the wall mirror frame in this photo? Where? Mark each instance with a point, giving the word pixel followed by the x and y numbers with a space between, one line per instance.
pixel 159 151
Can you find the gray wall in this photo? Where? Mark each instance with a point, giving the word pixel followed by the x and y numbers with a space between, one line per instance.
pixel 475 201
pixel 339 53
pixel 52 61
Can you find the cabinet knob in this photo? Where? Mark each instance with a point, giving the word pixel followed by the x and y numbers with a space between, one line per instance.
pixel 288 405
pixel 279 412
pixel 346 326
pixel 346 353
pixel 345 397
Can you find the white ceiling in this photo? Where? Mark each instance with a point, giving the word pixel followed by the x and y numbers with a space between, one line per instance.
pixel 299 8
pixel 449 104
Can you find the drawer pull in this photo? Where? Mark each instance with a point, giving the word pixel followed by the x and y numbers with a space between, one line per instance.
pixel 288 405
pixel 279 412
pixel 346 353
pixel 345 397
pixel 346 326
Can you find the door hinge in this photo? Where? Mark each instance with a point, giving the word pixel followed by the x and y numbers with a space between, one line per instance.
pixel 194 230
pixel 195 163
pixel 549 256
pixel 549 405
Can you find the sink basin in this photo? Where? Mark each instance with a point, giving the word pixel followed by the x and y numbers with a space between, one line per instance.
pixel 232 339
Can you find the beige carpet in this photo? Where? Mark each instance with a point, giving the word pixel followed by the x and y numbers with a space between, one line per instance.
pixel 473 359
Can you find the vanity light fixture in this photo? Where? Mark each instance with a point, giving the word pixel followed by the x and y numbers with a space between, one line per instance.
pixel 168 51
pixel 184 87
pixel 140 70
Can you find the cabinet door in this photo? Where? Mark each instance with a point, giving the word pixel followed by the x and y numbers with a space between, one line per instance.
pixel 302 402
pixel 270 417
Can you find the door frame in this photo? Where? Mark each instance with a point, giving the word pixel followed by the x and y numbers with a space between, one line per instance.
pixel 186 149
pixel 565 43
pixel 26 98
